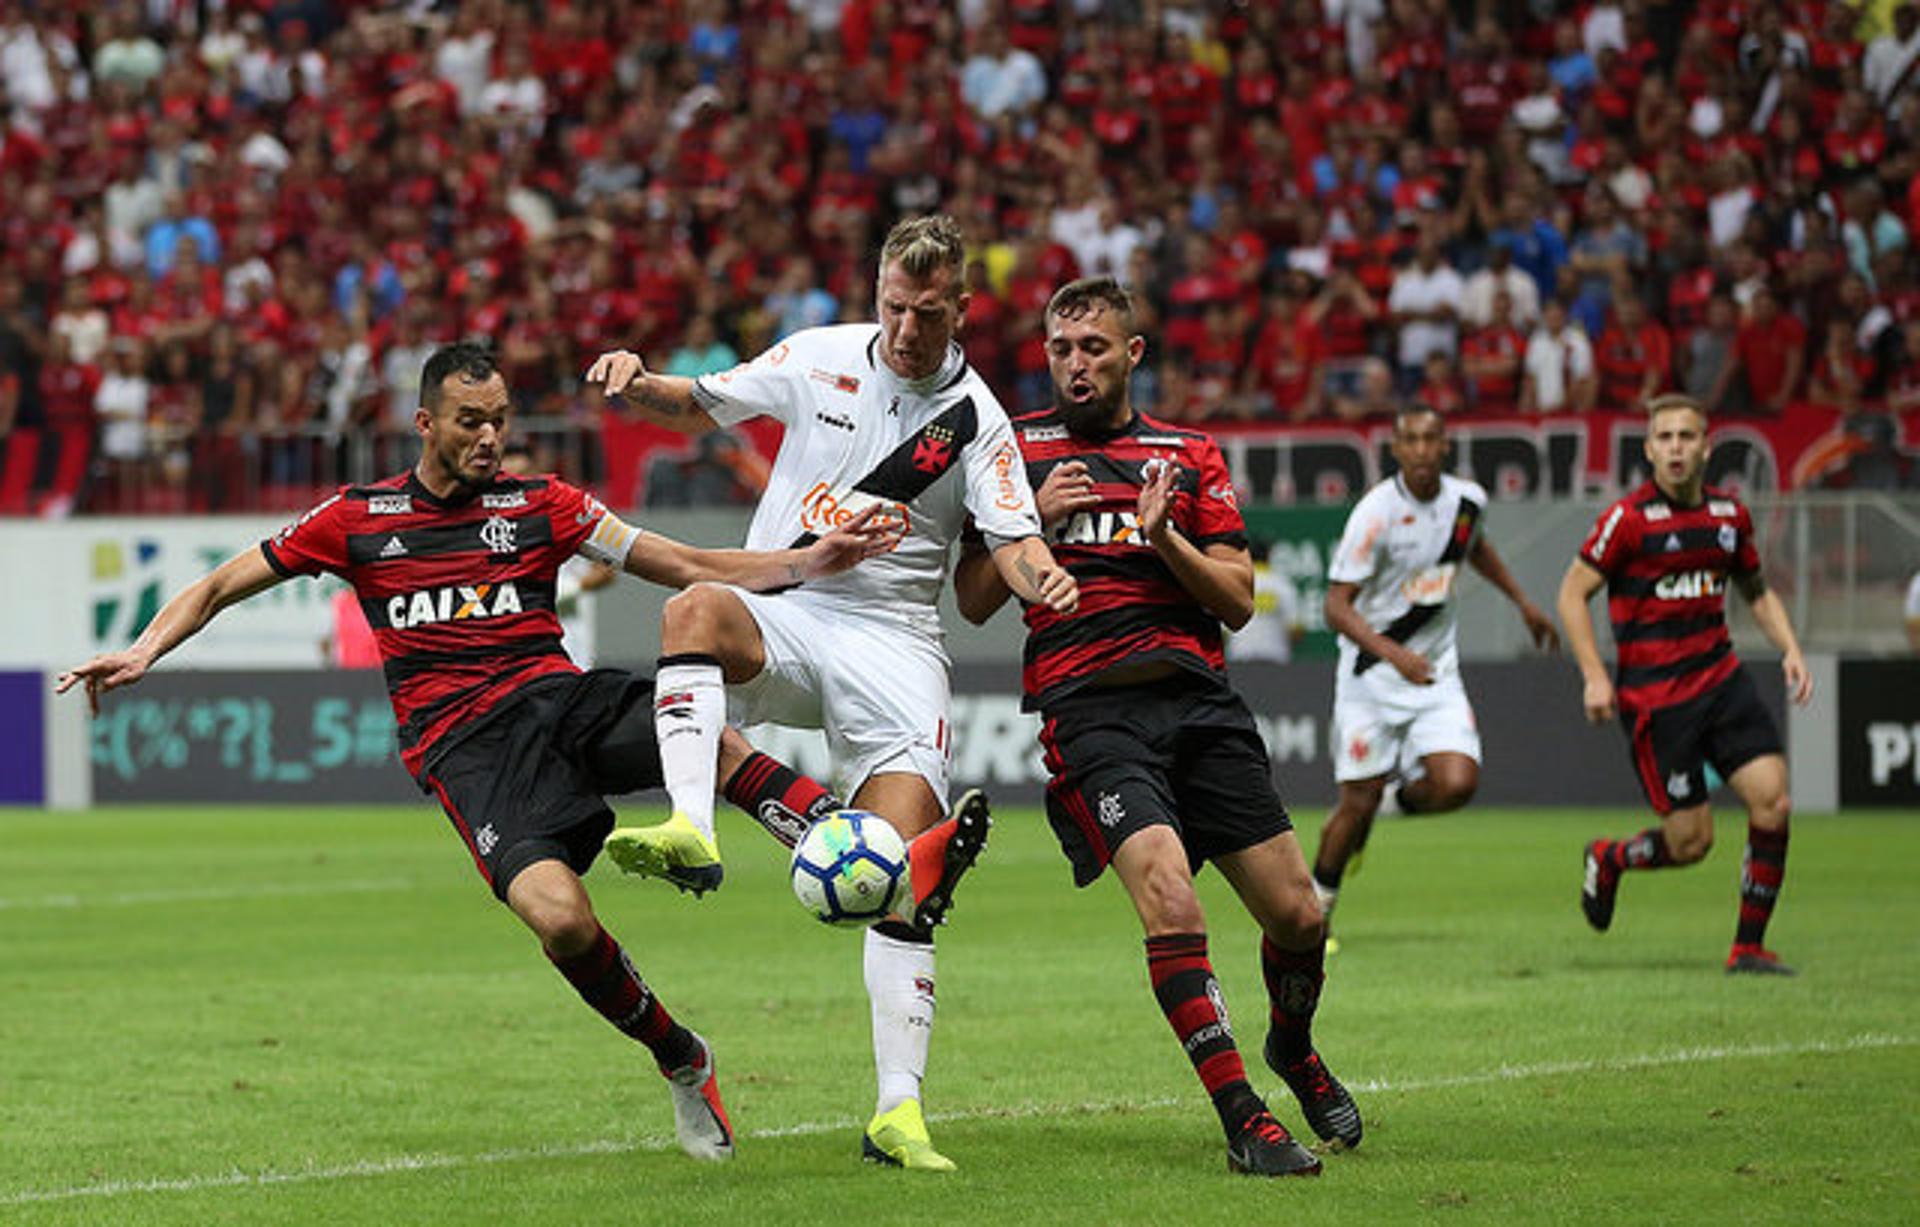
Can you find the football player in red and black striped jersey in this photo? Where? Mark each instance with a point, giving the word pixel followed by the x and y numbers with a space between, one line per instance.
pixel 455 565
pixel 1665 554
pixel 1157 765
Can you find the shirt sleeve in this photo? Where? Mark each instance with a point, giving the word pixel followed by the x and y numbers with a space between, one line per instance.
pixel 314 544
pixel 1746 555
pixel 1213 514
pixel 768 386
pixel 1355 559
pixel 1608 546
pixel 582 525
pixel 998 495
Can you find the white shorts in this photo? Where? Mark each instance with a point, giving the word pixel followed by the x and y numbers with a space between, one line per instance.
pixel 1387 726
pixel 878 686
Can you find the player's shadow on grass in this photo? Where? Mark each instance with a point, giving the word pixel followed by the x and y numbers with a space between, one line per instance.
pixel 1638 964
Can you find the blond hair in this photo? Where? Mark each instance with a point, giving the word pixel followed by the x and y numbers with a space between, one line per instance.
pixel 1675 400
pixel 922 246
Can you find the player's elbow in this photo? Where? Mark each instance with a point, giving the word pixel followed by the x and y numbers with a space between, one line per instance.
pixel 1236 614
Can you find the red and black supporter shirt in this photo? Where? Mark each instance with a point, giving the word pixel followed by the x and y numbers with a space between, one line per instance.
pixel 460 593
pixel 1132 608
pixel 1667 568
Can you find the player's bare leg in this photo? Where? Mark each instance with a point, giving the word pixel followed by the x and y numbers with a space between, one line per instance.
pixel 1447 781
pixel 898 962
pixel 1684 837
pixel 1761 783
pixel 1152 865
pixel 550 899
pixel 707 639
pixel 1344 833
pixel 1272 881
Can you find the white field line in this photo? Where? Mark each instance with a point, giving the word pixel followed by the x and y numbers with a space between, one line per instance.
pixel 202 894
pixel 396 1164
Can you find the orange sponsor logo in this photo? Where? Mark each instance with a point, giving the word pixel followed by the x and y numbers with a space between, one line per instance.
pixel 1007 492
pixel 821 511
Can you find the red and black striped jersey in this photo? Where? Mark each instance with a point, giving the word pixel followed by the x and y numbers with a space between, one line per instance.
pixel 1132 608
pixel 459 592
pixel 1667 568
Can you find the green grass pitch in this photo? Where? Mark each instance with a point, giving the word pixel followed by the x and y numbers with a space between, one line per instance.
pixel 320 1016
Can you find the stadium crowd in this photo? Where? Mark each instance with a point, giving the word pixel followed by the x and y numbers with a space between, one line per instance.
pixel 233 231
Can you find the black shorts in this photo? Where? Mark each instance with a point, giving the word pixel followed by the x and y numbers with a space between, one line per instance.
pixel 1183 753
pixel 1727 726
pixel 528 781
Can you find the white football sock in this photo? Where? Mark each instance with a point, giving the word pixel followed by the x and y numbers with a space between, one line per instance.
pixel 689 710
pixel 900 987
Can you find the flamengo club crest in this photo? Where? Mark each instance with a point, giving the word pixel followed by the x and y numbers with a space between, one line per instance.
pixel 497 534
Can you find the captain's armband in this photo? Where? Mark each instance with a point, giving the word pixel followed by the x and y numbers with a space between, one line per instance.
pixel 610 540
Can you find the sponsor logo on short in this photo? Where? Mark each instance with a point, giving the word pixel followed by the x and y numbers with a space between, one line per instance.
pixel 389 505
pixel 1679 786
pixel 1110 810
pixel 499 534
pixel 486 839
pixel 504 501
pixel 1689 585
pixel 455 603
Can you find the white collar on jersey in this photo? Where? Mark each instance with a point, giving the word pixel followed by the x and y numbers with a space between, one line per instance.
pixel 950 368
pixel 1400 484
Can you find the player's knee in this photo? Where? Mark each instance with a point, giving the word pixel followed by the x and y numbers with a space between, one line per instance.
pixel 1770 813
pixel 1299 921
pixel 692 618
pixel 1689 847
pixel 1167 902
pixel 565 931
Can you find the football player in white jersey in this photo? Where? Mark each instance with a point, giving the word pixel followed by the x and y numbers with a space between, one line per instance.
pixel 1399 708
pixel 887 415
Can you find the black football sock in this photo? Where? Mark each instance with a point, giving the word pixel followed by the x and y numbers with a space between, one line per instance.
pixel 1761 871
pixel 604 977
pixel 1189 996
pixel 778 797
pixel 1294 978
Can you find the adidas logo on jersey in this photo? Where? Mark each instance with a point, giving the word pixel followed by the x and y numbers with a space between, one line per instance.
pixel 452 604
pixel 394 548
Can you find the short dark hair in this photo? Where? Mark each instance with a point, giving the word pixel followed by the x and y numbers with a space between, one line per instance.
pixel 1089 294
pixel 472 360
pixel 1409 410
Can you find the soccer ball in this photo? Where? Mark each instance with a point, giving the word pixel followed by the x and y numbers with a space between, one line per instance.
pixel 851 868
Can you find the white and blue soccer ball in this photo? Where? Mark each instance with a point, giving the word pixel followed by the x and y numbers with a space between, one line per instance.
pixel 850 868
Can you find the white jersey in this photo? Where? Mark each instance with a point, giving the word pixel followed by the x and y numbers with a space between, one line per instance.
pixel 929 451
pixel 1405 555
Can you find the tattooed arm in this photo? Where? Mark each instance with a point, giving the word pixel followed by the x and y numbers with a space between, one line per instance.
pixel 1028 569
pixel 664 400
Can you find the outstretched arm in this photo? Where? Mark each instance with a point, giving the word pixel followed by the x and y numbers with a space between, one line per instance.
pixel 1770 615
pixel 1487 561
pixel 1582 580
pixel 664 400
pixel 181 618
pixel 676 564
